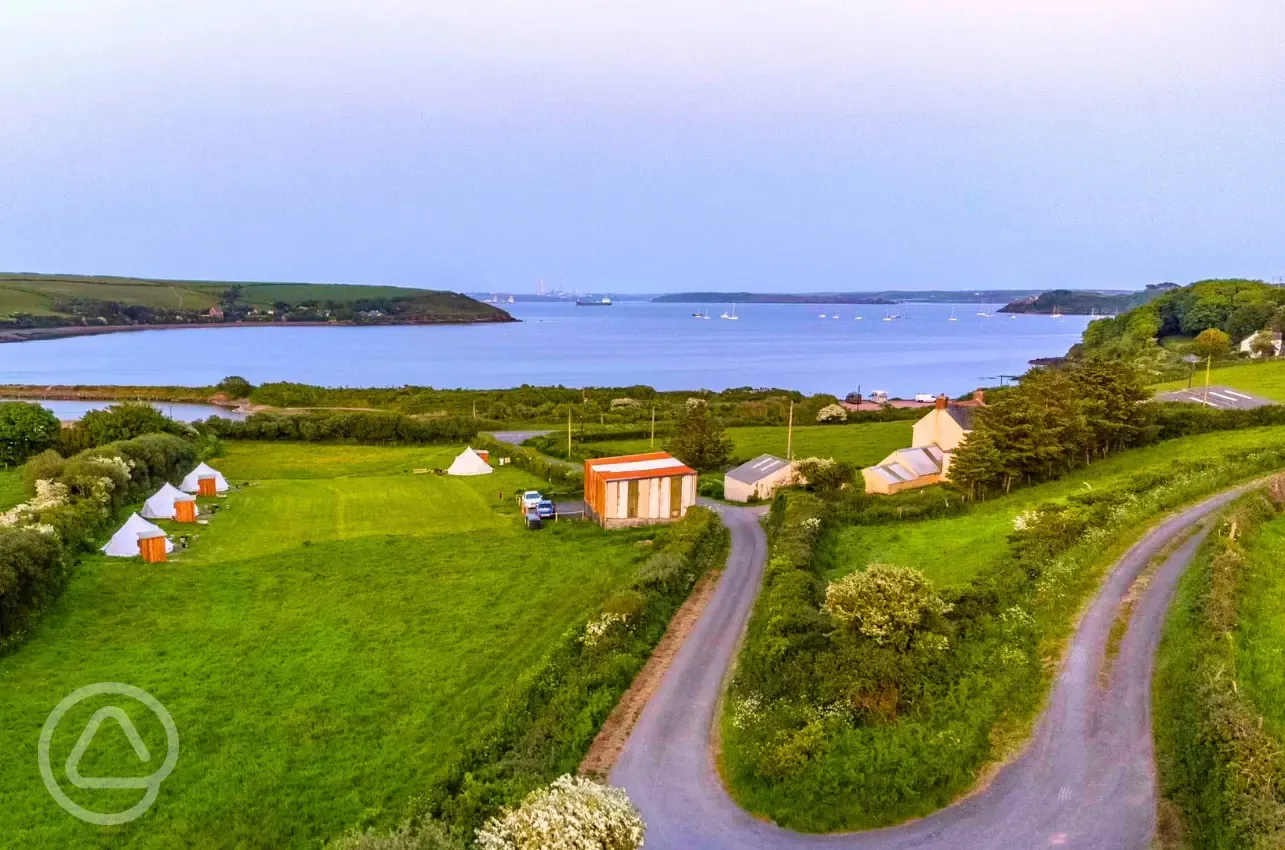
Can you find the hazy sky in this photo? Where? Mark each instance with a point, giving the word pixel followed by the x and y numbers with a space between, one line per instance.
pixel 668 144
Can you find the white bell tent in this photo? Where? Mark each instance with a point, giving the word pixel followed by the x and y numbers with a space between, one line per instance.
pixel 190 481
pixel 124 543
pixel 161 504
pixel 469 462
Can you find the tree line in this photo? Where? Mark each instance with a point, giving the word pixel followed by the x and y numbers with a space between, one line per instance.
pixel 1052 421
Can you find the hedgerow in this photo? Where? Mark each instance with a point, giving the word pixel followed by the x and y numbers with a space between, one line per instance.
pixel 73 502
pixel 1217 764
pixel 827 728
pixel 357 426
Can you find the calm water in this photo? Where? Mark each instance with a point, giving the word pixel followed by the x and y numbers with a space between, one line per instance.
pixel 68 410
pixel 772 345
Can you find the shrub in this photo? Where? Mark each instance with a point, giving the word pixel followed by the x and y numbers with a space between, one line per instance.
pixel 890 605
pixel 47 465
pixel 832 413
pixel 423 834
pixel 570 814
pixel 116 423
pixel 357 426
pixel 30 571
pixel 826 474
pixel 25 429
pixel 234 386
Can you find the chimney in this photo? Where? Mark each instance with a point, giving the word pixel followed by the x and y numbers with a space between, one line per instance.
pixel 941 402
pixel 979 396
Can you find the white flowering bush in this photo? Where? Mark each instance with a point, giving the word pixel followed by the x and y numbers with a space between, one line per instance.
pixel 571 814
pixel 1024 520
pixel 888 604
pixel 49 494
pixel 832 413
pixel 598 628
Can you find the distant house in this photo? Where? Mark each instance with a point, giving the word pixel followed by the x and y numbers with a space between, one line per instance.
pixel 1246 344
pixel 638 489
pixel 757 479
pixel 934 440
pixel 216 312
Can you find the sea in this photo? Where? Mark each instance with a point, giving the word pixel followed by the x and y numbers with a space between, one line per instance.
pixel 661 345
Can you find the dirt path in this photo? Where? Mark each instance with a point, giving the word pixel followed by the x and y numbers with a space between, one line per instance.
pixel 1086 779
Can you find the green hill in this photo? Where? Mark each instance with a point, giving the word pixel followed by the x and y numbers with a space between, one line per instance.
pixel 48 301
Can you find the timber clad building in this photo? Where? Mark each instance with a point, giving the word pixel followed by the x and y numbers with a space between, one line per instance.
pixel 638 489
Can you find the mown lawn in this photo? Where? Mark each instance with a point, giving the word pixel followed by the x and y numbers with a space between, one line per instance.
pixel 337 632
pixel 11 492
pixel 953 550
pixel 1264 378
pixel 862 444
pixel 1260 639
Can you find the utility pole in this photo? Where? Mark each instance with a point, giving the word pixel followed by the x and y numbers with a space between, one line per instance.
pixel 653 426
pixel 789 435
pixel 568 432
pixel 474 408
pixel 1208 360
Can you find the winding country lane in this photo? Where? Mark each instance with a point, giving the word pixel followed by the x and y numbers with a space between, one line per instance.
pixel 1087 778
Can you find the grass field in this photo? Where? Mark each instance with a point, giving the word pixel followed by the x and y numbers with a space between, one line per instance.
pixel 11 492
pixel 862 444
pixel 954 549
pixel 1265 378
pixel 1260 640
pixel 335 634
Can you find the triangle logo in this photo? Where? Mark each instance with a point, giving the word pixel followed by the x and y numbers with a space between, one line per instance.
pixel 87 736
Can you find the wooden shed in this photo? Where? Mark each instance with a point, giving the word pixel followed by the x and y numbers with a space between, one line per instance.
pixel 638 489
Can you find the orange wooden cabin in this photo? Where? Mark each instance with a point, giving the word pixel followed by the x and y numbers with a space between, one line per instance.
pixel 207 485
pixel 151 545
pixel 185 509
pixel 638 489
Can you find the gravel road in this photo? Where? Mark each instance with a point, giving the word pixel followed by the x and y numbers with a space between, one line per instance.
pixel 1087 778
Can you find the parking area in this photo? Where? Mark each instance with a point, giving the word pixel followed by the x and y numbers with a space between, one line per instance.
pixel 1222 398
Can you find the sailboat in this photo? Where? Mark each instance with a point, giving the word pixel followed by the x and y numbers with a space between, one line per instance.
pixel 886 317
pixel 700 314
pixel 835 316
pixel 857 318
pixel 952 315
pixel 1057 313
pixel 983 314
pixel 732 317
pixel 822 316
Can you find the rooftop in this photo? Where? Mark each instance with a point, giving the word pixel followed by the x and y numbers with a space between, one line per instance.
pixel 758 469
pixel 652 464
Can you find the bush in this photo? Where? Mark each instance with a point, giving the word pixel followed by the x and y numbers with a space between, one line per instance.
pixel 31 569
pixel 25 429
pixel 571 813
pixel 116 423
pixel 424 834
pixel 832 413
pixel 235 386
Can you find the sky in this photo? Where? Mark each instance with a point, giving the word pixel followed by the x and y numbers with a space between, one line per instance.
pixel 811 145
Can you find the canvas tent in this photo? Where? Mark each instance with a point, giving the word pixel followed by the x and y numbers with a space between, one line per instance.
pixel 124 543
pixel 161 504
pixel 190 482
pixel 469 462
